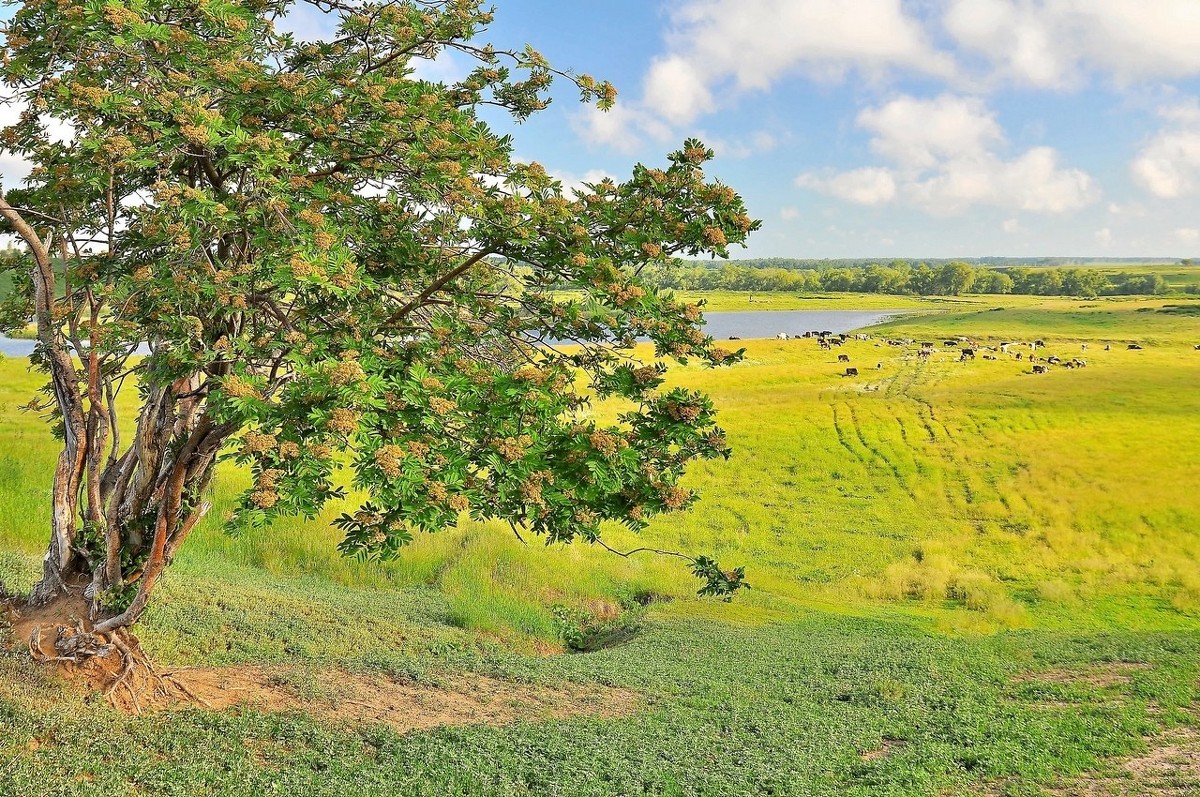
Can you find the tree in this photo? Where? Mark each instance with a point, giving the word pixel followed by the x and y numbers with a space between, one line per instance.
pixel 988 280
pixel 336 266
pixel 955 278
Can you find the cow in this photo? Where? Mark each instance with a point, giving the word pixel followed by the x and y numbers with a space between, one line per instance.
pixel 851 372
pixel 1078 363
pixel 1083 347
pixel 1041 343
pixel 1018 355
pixel 781 336
pixel 735 337
pixel 965 353
pixel 843 358
pixel 1134 347
pixel 1039 369
pixel 1069 364
pixel 1108 347
pixel 1053 360
pixel 950 343
pixel 1197 347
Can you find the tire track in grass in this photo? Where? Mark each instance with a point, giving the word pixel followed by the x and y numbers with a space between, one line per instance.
pixel 843 438
pixel 882 460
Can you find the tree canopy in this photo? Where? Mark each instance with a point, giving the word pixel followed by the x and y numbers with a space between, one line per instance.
pixel 337 265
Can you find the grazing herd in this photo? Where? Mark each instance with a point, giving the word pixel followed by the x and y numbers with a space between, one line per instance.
pixel 966 349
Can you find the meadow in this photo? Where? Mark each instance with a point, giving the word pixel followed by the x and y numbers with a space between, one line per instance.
pixel 965 577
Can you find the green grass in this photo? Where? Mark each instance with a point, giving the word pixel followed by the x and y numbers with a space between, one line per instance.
pixel 915 537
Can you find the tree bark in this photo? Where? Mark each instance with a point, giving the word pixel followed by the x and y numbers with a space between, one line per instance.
pixel 58 565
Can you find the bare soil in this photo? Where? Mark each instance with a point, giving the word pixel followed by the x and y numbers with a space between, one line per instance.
pixel 351 698
pixel 132 684
pixel 1101 676
pixel 1170 768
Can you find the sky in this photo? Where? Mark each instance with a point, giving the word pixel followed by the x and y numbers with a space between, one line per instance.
pixel 887 128
pixel 895 128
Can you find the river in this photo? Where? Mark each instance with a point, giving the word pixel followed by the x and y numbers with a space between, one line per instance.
pixel 748 324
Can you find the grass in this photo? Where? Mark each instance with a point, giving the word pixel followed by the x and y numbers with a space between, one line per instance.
pixel 916 538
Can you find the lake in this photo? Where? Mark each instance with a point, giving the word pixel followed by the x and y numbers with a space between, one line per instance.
pixel 769 323
pixel 747 324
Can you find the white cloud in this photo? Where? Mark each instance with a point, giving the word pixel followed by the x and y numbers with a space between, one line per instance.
pixel 712 39
pixel 1104 237
pixel 1011 226
pixel 623 128
pixel 14 169
pixel 1188 235
pixel 789 213
pixel 867 186
pixel 944 159
pixel 921 133
pixel 1168 164
pixel 753 144
pixel 575 183
pixel 718 49
pixel 1054 43
pixel 676 88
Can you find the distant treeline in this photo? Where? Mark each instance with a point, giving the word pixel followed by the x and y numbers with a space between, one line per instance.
pixel 822 264
pixel 949 278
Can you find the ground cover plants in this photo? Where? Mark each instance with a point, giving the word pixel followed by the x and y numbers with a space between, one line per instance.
pixel 966 579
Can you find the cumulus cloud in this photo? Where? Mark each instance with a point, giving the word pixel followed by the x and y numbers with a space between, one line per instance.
pixel 710 41
pixel 1054 43
pixel 624 128
pixel 577 183
pixel 718 49
pixel 1168 164
pixel 742 147
pixel 867 186
pixel 944 156
pixel 14 169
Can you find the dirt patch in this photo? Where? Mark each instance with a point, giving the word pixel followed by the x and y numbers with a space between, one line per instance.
pixel 69 609
pixel 1170 768
pixel 335 695
pixel 353 698
pixel 1101 676
pixel 886 748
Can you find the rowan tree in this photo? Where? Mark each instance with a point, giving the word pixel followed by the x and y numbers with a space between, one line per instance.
pixel 336 266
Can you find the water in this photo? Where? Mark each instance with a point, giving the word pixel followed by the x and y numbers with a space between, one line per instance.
pixel 769 323
pixel 10 347
pixel 750 324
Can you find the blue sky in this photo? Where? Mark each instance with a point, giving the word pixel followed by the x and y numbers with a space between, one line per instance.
pixel 888 128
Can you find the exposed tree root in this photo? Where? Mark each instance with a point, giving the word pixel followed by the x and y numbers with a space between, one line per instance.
pixel 112 663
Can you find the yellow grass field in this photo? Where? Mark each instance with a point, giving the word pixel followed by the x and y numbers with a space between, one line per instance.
pixel 972 496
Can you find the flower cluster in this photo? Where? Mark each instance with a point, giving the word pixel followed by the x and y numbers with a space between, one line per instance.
pixel 258 442
pixel 388 458
pixel 343 421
